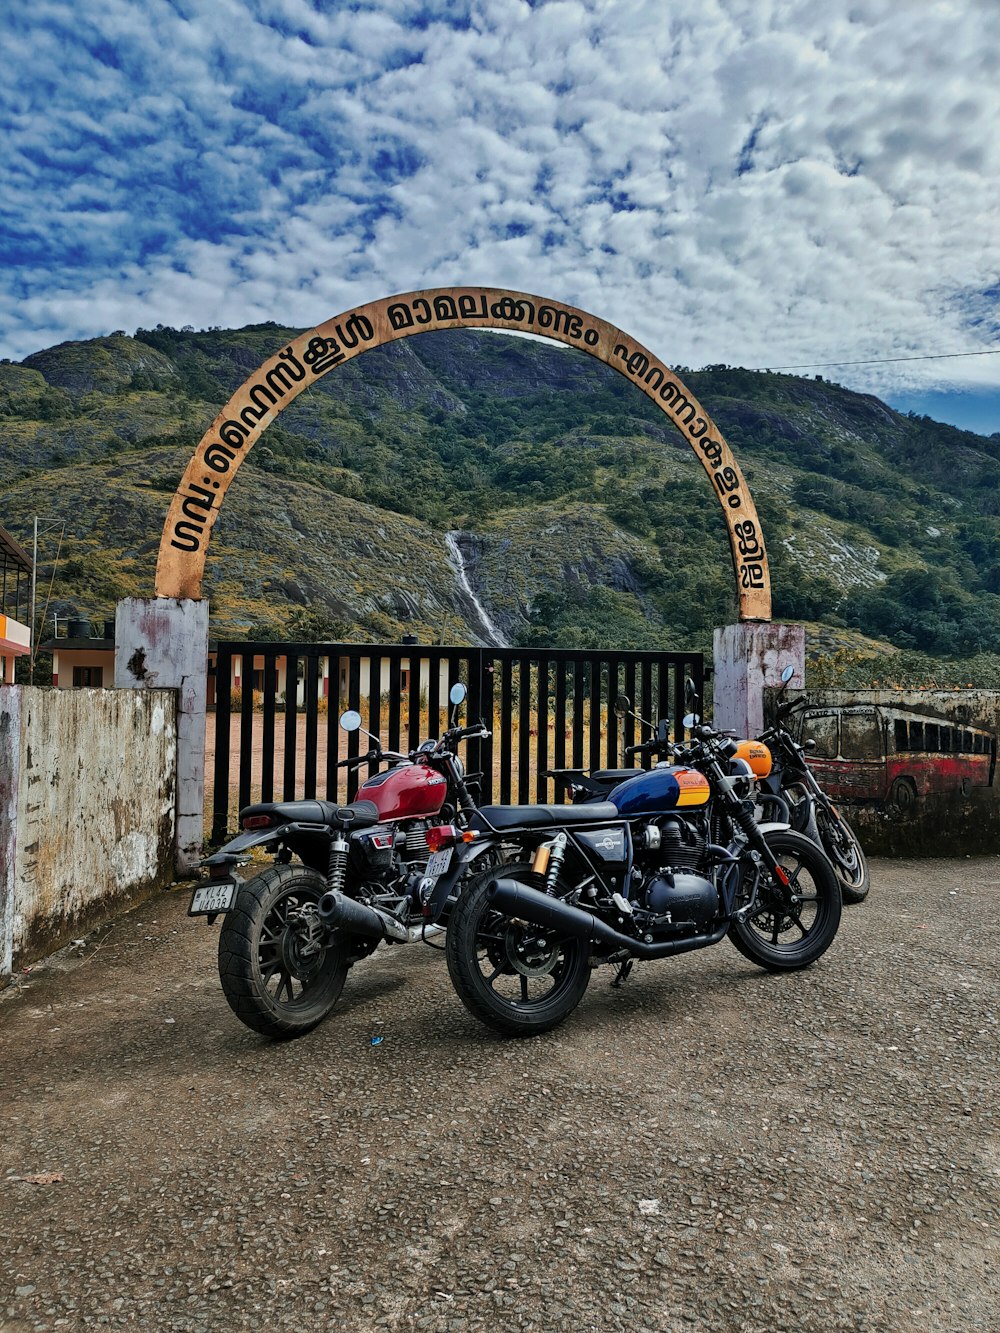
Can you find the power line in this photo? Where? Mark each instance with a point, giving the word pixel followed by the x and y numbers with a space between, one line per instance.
pixel 882 361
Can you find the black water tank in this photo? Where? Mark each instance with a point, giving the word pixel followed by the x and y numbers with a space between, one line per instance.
pixel 78 629
pixel 109 629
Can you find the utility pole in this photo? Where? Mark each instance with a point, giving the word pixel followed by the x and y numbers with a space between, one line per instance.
pixel 34 567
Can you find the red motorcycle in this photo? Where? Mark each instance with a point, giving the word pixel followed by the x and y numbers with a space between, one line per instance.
pixel 343 878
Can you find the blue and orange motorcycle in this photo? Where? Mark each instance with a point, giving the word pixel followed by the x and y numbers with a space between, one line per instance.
pixel 672 860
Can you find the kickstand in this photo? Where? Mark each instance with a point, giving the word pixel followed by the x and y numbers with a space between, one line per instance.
pixel 623 970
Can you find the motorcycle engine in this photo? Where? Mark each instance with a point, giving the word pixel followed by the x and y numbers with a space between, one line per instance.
pixel 686 897
pixel 413 847
pixel 673 851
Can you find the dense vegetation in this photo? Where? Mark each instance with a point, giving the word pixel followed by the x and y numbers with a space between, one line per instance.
pixel 584 518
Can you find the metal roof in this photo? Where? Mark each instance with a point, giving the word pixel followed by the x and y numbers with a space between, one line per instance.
pixel 12 553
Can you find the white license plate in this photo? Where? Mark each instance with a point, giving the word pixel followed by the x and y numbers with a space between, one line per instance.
pixel 439 863
pixel 213 898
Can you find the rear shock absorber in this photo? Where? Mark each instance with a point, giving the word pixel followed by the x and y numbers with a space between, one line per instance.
pixel 337 865
pixel 548 861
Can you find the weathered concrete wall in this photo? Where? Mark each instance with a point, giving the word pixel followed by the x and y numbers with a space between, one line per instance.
pixel 10 759
pixel 87 799
pixel 939 824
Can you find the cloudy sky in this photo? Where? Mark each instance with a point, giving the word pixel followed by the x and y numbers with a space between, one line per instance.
pixel 758 182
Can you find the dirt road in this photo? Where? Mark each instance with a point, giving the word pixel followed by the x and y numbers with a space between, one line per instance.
pixel 708 1148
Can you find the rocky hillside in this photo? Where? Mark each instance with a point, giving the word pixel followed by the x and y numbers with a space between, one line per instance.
pixel 469 486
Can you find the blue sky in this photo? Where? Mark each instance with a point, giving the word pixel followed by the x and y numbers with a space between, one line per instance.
pixel 752 182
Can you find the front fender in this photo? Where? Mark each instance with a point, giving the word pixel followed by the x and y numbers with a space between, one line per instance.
pixel 772 826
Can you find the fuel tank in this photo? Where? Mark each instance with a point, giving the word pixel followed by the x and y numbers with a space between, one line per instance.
pixel 757 755
pixel 670 787
pixel 406 791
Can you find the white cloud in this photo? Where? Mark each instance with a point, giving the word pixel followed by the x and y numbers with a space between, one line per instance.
pixel 758 183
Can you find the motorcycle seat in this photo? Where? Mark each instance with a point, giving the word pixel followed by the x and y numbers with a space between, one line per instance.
pixel 543 816
pixel 359 814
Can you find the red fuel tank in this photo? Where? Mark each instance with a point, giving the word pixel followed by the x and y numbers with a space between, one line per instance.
pixel 405 792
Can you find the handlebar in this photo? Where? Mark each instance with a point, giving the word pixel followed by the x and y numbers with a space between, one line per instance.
pixel 379 755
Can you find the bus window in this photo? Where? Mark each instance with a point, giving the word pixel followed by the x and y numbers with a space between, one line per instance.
pixel 917 741
pixel 932 739
pixel 901 736
pixel 860 736
pixel 822 729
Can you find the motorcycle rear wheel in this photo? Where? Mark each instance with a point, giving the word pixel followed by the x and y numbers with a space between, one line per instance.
pixel 277 976
pixel 784 939
pixel 519 980
pixel 841 845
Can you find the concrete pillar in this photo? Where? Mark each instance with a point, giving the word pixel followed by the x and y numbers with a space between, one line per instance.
pixel 749 656
pixel 163 642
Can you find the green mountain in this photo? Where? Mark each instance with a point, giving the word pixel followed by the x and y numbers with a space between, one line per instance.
pixel 577 515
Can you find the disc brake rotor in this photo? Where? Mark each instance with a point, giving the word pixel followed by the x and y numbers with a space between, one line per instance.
pixel 530 952
pixel 302 942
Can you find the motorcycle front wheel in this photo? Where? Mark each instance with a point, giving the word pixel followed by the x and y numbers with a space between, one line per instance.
pixel 516 978
pixel 276 972
pixel 782 936
pixel 841 845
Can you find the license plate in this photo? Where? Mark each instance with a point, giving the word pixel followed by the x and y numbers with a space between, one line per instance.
pixel 213 898
pixel 439 863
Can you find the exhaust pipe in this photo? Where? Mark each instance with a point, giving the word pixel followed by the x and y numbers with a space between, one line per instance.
pixel 338 912
pixel 515 899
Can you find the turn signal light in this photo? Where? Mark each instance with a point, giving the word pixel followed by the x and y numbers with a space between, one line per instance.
pixel 257 821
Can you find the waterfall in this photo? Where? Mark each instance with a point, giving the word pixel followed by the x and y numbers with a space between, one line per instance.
pixel 490 632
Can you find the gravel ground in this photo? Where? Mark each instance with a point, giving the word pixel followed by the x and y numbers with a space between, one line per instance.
pixel 708 1148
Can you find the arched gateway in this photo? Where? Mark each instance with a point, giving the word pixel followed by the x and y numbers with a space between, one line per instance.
pixel 265 394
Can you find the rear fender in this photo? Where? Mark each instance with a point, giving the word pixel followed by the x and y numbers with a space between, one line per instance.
pixel 298 837
pixel 463 861
pixel 233 850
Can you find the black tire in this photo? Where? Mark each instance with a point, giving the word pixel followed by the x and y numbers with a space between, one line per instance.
pixel 502 973
pixel 841 845
pixel 279 979
pixel 784 939
pixel 902 796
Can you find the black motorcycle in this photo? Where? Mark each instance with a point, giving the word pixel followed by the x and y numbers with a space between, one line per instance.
pixel 791 792
pixel 674 860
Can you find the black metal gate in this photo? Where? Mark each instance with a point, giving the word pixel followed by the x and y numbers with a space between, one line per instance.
pixel 546 708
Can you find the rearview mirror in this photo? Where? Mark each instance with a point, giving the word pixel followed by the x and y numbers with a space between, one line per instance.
pixel 457 693
pixel 690 720
pixel 623 705
pixel 787 674
pixel 351 720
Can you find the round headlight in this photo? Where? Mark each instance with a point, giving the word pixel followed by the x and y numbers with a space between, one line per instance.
pixel 744 775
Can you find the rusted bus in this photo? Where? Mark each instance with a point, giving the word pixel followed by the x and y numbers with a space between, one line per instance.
pixel 877 753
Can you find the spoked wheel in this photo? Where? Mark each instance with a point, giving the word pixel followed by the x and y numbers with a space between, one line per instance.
pixel 791 929
pixel 278 975
pixel 517 978
pixel 841 845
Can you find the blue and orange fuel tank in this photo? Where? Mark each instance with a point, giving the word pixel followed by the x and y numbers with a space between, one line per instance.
pixel 670 787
